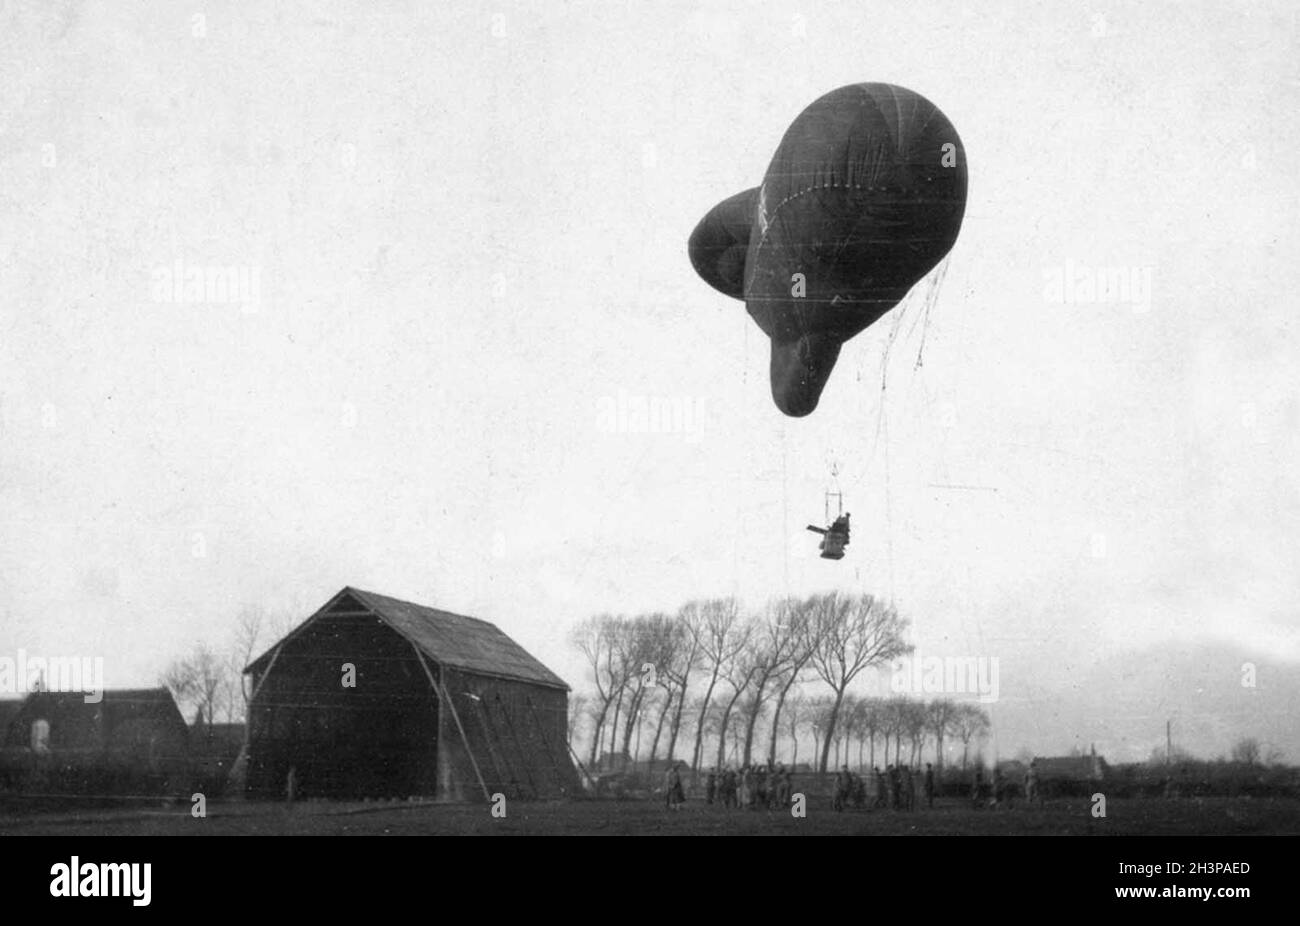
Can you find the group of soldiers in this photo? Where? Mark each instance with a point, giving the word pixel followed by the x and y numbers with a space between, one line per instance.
pixel 895 788
pixel 750 786
pixel 997 793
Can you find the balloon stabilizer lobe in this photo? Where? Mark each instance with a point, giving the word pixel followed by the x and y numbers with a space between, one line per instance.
pixel 864 196
pixel 799 372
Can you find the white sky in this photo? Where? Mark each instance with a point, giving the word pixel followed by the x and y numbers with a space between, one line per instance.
pixel 469 231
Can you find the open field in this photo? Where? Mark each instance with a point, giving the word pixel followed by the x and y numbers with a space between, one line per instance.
pixel 1209 816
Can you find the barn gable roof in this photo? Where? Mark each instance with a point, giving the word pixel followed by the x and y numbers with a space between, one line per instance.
pixel 128 700
pixel 124 701
pixel 452 640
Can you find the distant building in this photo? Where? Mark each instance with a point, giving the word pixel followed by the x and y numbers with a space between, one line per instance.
pixel 127 741
pixel 1012 769
pixel 613 762
pixel 11 765
pixel 1065 774
pixel 9 708
pixel 376 697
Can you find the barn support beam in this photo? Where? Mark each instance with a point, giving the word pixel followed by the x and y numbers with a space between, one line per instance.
pixel 582 768
pixel 269 666
pixel 443 696
pixel 242 760
pixel 490 739
pixel 519 747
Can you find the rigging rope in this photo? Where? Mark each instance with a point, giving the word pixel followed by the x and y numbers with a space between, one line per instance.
pixel 928 298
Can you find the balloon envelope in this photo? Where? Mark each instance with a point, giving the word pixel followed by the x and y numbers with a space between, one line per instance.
pixel 864 196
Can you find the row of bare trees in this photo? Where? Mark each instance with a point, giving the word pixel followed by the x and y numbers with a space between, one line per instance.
pixel 910 724
pixel 711 670
pixel 211 683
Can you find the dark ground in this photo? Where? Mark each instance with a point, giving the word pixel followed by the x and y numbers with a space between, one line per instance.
pixel 1209 816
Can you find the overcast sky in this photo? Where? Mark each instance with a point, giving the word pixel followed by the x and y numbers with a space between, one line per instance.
pixel 459 241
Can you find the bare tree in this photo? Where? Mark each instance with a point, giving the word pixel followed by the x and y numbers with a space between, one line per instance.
pixel 645 643
pixel 940 715
pixel 851 724
pixel 969 723
pixel 818 713
pixel 739 672
pixel 723 636
pixel 250 624
pixel 1246 751
pixel 796 712
pixel 750 709
pixel 198 680
pixel 778 650
pixel 852 634
pixel 706 722
pixel 893 721
pixel 579 707
pixel 595 639
pixel 916 723
pixel 691 629
pixel 597 714
pixel 871 723
pixel 863 720
pixel 666 696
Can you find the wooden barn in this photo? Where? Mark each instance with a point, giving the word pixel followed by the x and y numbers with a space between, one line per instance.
pixel 375 697
pixel 128 741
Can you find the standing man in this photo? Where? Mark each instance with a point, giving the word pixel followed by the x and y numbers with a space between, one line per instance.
pixel 780 796
pixel 929 786
pixel 841 788
pixel 676 793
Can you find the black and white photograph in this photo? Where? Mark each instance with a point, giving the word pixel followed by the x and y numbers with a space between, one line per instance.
pixel 552 419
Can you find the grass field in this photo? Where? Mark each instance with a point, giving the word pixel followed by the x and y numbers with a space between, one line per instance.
pixel 1210 816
